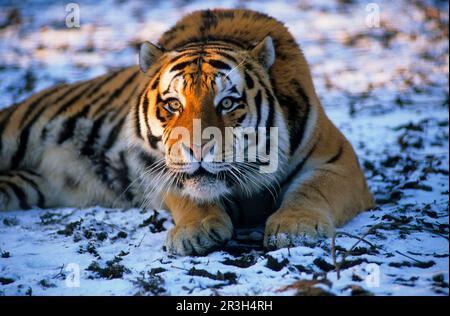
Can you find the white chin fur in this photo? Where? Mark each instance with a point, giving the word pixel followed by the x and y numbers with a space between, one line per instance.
pixel 204 190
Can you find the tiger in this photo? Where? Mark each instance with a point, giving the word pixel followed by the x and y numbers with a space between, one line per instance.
pixel 108 141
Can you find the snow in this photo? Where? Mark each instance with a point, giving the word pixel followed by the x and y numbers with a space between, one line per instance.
pixel 386 88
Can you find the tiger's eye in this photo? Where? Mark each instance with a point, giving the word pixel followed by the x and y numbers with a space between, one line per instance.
pixel 173 105
pixel 227 103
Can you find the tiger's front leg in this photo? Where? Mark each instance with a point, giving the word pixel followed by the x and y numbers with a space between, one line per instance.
pixel 300 220
pixel 326 195
pixel 200 228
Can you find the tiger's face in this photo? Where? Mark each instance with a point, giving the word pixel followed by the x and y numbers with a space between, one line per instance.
pixel 208 109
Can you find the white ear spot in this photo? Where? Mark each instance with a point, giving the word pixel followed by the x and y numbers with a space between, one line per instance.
pixel 148 54
pixel 264 52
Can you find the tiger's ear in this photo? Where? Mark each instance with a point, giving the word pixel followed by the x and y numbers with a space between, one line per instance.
pixel 264 52
pixel 148 54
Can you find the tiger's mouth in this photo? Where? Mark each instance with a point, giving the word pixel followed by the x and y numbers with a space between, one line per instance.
pixel 204 175
pixel 200 173
pixel 204 185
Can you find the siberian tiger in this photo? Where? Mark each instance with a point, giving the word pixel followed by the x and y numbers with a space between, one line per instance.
pixel 107 141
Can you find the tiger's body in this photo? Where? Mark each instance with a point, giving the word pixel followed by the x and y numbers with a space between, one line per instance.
pixel 106 141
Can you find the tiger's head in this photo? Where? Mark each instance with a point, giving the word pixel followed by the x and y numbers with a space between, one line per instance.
pixel 207 109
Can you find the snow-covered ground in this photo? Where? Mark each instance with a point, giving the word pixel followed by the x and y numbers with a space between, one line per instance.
pixel 385 87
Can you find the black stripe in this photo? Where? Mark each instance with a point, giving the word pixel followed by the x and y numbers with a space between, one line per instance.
pixel 73 88
pixel 20 152
pixel 181 65
pixel 176 58
pixel 226 55
pixel 209 20
pixel 33 173
pixel 116 94
pixel 337 156
pixel 71 100
pixel 218 64
pixel 88 148
pixel 196 45
pixel 124 178
pixel 248 67
pixel 296 122
pixel 233 89
pixel 113 134
pixel 299 131
pixel 2 190
pixel 118 110
pixel 161 118
pixel 271 105
pixel 68 127
pixel 155 83
pixel 249 81
pixel 239 107
pixel 299 167
pixel 144 111
pixel 170 35
pixel 210 40
pixel 102 83
pixel 154 141
pixel 137 115
pixel 25 134
pixel 4 122
pixel 241 118
pixel 147 159
pixel 270 118
pixel 298 108
pixel 32 106
pixel 258 100
pixel 132 93
pixel 41 199
pixel 194 48
pixel 20 194
pixel 299 128
pixel 5 113
pixel 23 140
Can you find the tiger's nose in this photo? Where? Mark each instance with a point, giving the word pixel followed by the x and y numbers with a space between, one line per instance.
pixel 198 153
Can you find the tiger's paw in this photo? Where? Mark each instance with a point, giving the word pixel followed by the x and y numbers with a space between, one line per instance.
pixel 296 228
pixel 198 237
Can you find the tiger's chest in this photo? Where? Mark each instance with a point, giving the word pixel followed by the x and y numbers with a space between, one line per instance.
pixel 253 211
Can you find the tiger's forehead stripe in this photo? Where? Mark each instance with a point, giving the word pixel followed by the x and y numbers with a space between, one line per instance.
pixel 211 44
pixel 175 76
